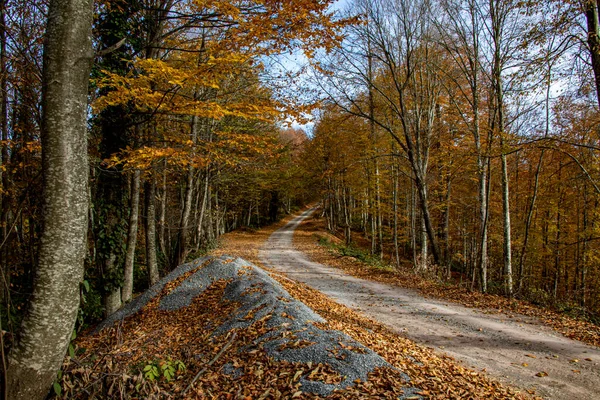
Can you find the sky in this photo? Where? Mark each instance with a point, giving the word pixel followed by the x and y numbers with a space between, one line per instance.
pixel 295 61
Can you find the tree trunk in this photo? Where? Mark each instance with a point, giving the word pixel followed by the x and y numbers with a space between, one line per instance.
pixel 507 236
pixel 422 191
pixel 395 208
pixel 151 262
pixel 112 298
pixel 200 222
pixel 127 290
pixel 424 249
pixel 379 218
pixel 181 248
pixel 162 219
pixel 46 329
pixel 446 229
pixel 3 153
pixel 593 39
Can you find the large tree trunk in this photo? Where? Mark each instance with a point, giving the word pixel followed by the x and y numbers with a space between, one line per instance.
pixel 47 327
pixel 131 237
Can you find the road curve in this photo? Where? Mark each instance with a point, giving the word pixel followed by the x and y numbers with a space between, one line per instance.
pixel 513 350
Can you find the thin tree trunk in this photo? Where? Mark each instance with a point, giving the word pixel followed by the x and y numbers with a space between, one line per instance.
pixel 507 236
pixel 593 39
pixel 379 217
pixel 132 230
pixel 424 206
pixel 180 252
pixel 584 250
pixel 446 230
pixel 413 224
pixel 395 201
pixel 151 262
pixel 424 245
pixel 112 299
pixel 162 219
pixel 557 250
pixel 200 228
pixel 47 327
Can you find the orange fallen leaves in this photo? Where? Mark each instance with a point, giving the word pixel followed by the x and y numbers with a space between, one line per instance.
pixel 109 363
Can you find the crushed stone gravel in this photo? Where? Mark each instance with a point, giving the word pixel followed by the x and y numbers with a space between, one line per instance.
pixel 291 335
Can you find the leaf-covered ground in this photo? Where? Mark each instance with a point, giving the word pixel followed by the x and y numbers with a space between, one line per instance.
pixel 172 354
pixel 306 239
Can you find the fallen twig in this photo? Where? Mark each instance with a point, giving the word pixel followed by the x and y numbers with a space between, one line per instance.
pixel 211 362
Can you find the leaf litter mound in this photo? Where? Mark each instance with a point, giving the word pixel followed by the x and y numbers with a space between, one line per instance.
pixel 223 328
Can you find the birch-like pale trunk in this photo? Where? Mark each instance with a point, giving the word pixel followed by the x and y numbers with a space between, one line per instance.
pixel 47 327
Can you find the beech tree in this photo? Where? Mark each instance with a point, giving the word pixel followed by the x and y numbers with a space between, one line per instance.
pixel 48 325
pixel 393 40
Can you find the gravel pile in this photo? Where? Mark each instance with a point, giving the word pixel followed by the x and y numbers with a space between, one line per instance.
pixel 290 335
pixel 139 302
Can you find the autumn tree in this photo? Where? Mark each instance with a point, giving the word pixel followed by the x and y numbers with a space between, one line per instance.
pixel 395 37
pixel 47 328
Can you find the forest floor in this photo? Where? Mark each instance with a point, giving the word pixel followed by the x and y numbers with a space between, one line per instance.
pixel 420 337
pixel 512 341
pixel 440 375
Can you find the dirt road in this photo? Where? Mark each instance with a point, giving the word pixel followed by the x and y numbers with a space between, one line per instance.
pixel 513 350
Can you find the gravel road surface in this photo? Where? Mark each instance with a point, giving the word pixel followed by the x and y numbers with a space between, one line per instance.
pixel 514 350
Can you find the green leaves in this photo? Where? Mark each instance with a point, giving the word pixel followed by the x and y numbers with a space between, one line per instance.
pixel 167 369
pixel 151 372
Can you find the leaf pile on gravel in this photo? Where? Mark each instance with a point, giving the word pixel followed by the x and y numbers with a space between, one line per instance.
pixel 151 335
pixel 306 240
pixel 439 376
pixel 223 328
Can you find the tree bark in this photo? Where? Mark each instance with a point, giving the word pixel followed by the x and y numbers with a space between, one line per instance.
pixel 151 262
pixel 593 39
pixel 131 237
pixel 181 249
pixel 3 148
pixel 46 329
pixel 507 236
pixel 395 208
pixel 162 221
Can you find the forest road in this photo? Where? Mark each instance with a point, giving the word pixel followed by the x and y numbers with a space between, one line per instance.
pixel 512 350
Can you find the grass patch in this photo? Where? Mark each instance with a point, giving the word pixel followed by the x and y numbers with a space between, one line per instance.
pixel 351 250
